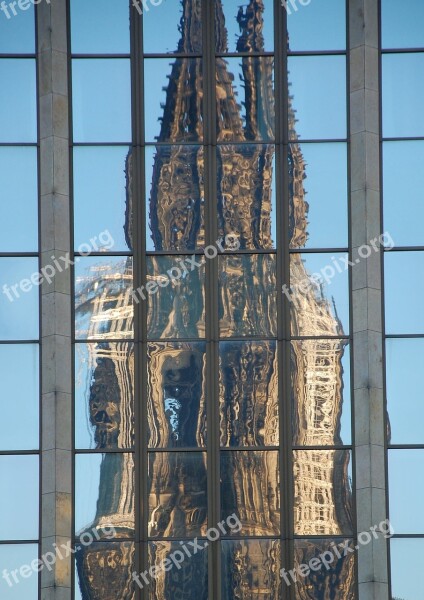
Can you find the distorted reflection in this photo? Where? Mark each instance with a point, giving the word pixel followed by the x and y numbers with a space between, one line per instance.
pixel 176 395
pixel 248 386
pixel 250 569
pixel 179 24
pixel 177 494
pixel 244 27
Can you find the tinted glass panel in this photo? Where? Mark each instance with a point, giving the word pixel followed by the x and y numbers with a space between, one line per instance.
pixel 406 558
pixel 18 107
pixel 13 556
pixel 101 97
pixel 180 29
pixel 19 300
pixel 316 25
pixel 406 490
pixel 100 26
pixel 244 27
pixel 19 506
pixel 17 35
pixel 401 27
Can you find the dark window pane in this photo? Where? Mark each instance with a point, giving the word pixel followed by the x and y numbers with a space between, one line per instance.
pixel 104 395
pixel 250 569
pixel 104 494
pixel 175 198
pixel 177 494
pixel 177 395
pixel 247 295
pixel 101 100
pixel 401 27
pixel 12 556
pixel 103 199
pixel 244 28
pixel 18 106
pixel 19 300
pixel 176 302
pixel 17 32
pixel 320 377
pixel 245 99
pixel 406 560
pixel 19 500
pixel 316 25
pixel 180 27
pixel 406 490
pixel 100 26
pixel 318 87
pixel 246 194
pixel 322 492
pixel 19 396
pixel 173 93
pixel 103 298
pixel 250 490
pixel 248 379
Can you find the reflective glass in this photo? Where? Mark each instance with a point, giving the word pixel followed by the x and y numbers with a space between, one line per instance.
pixel 188 581
pixel 19 299
pixel 104 494
pixel 247 295
pixel 18 105
pixel 12 557
pixel 250 489
pixel 404 292
pixel 406 568
pixel 316 25
pixel 104 395
pixel 104 570
pixel 406 489
pixel 173 95
pixel 246 194
pixel 244 28
pixel 401 26
pixel 19 396
pixel 180 28
pixel 103 297
pixel 322 492
pixel 319 294
pixel 17 35
pixel 177 488
pixel 176 300
pixel 400 190
pixel 101 100
pixel 320 389
pixel 19 500
pixel 405 395
pixel 100 26
pixel 245 99
pixel 318 195
pixel 318 87
pixel 250 569
pixel 103 198
pixel 175 198
pixel 336 582
pixel 248 389
pixel 403 86
pixel 176 402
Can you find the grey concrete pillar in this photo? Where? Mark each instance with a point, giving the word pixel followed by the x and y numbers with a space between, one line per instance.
pixel 56 347
pixel 367 296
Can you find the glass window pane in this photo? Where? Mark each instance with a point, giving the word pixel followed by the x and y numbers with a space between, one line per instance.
pixel 319 294
pixel 100 26
pixel 176 395
pixel 250 569
pixel 104 395
pixel 322 492
pixel 103 198
pixel 320 379
pixel 406 565
pixel 103 297
pixel 248 384
pixel 19 500
pixel 173 94
pixel 175 198
pixel 316 25
pixel 18 106
pixel 244 28
pixel 101 100
pixel 245 99
pixel 247 295
pixel 180 28
pixel 318 195
pixel 19 396
pixel 17 32
pixel 176 300
pixel 403 85
pixel 318 87
pixel 250 489
pixel 246 194
pixel 12 557
pixel 19 300
pixel 401 27
pixel 177 487
pixel 404 293
pixel 104 493
pixel 406 490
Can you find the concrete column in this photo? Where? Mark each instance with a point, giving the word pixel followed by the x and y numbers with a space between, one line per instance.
pixel 367 296
pixel 56 348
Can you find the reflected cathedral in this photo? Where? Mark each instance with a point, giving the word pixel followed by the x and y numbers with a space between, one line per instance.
pixel 248 377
